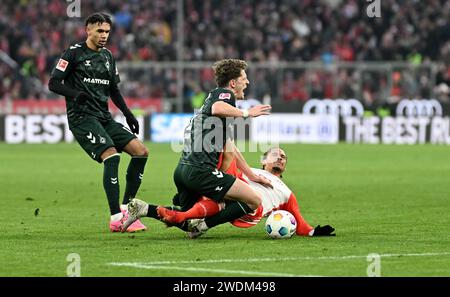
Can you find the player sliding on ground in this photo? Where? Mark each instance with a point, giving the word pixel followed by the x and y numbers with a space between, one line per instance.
pixel 206 213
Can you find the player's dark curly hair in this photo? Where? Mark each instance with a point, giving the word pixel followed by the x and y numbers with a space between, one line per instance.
pixel 98 17
pixel 228 69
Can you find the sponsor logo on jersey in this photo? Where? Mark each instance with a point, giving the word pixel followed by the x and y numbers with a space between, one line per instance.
pixel 62 65
pixel 96 81
pixel 224 96
pixel 87 63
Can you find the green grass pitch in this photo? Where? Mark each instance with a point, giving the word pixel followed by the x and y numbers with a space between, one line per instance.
pixel 390 200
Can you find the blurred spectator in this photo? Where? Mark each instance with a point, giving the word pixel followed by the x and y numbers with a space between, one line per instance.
pixel 32 34
pixel 293 88
pixel 442 88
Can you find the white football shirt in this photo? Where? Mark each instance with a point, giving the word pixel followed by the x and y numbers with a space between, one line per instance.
pixel 272 198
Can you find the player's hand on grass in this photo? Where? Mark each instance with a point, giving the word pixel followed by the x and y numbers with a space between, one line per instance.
pixel 261 179
pixel 132 122
pixel 258 110
pixel 326 230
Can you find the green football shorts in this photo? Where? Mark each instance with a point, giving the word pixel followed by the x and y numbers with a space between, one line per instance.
pixel 96 136
pixel 194 182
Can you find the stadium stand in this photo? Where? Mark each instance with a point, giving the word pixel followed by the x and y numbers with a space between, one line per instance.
pixel 32 37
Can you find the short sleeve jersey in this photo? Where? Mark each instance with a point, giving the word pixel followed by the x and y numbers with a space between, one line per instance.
pixel 205 135
pixel 92 72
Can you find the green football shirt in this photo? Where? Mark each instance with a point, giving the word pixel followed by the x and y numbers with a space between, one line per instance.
pixel 205 135
pixel 92 72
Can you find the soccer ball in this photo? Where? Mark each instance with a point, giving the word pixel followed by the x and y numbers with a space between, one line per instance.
pixel 281 224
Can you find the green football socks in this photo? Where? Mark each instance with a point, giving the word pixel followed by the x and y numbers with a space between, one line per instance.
pixel 111 182
pixel 134 176
pixel 232 211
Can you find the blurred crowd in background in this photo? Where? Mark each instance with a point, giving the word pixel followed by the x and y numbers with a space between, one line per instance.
pixel 33 35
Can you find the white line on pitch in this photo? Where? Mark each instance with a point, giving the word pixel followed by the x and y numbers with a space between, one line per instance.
pixel 262 273
pixel 282 259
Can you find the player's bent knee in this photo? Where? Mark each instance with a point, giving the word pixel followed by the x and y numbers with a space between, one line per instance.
pixel 143 152
pixel 255 201
pixel 108 152
pixel 137 149
pixel 242 192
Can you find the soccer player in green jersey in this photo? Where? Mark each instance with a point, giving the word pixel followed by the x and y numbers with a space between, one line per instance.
pixel 86 74
pixel 206 136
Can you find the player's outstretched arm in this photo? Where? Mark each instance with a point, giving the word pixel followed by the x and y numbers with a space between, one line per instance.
pixel 258 110
pixel 326 230
pixel 303 228
pixel 223 110
pixel 118 100
pixel 243 166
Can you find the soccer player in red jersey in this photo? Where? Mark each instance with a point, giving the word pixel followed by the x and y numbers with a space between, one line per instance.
pixel 277 197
